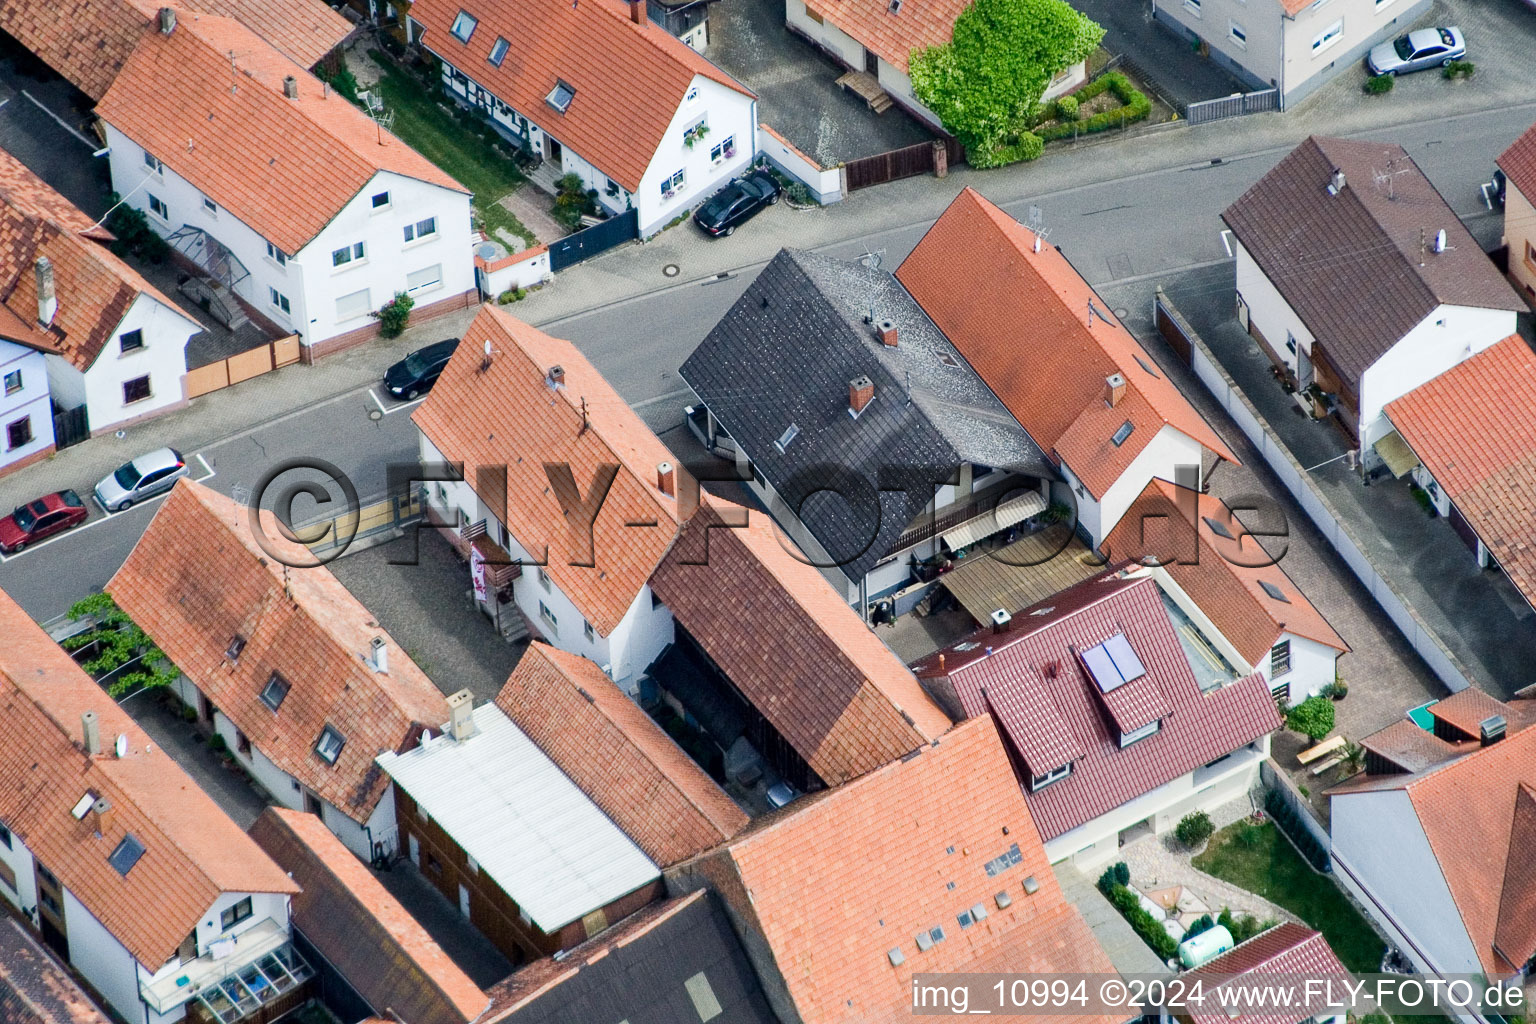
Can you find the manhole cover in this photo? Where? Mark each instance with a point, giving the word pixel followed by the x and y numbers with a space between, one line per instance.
pixel 375 414
pixel 671 270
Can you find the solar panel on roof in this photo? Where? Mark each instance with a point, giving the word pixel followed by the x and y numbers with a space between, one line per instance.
pixel 1113 663
pixel 1103 670
pixel 1125 659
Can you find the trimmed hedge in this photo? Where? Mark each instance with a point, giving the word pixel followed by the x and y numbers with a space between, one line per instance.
pixel 1135 107
pixel 1116 874
pixel 1301 837
pixel 1144 924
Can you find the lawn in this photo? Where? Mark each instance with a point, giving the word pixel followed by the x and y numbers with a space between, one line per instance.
pixel 1273 869
pixel 440 137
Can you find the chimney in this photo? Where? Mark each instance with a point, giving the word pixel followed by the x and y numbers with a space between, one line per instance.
pixel 91 732
pixel 637 12
pixel 379 655
pixel 291 87
pixel 861 391
pixel 666 479
pixel 1114 389
pixel 460 725
pixel 557 375
pixel 887 332
pixel 47 298
pixel 101 811
pixel 1000 620
pixel 167 20
pixel 1492 729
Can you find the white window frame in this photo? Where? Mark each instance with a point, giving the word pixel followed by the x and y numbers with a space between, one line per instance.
pixel 378 207
pixel 342 315
pixel 1151 728
pixel 153 163
pixel 279 301
pixel 458 23
pixel 1193 6
pixel 676 182
pixel 349 256
pixel 1281 651
pixel 1237 34
pixel 1328 37
pixel 414 234
pixel 158 208
pixel 321 747
pixel 549 618
pixel 1039 782
pixel 210 207
pixel 277 255
pixel 429 286
pixel 717 152
pixel 10 374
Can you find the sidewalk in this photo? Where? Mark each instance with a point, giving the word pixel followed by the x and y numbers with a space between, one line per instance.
pixel 257 402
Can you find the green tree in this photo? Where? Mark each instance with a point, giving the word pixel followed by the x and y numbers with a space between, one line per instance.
pixel 1194 828
pixel 1313 718
pixel 985 84
pixel 119 643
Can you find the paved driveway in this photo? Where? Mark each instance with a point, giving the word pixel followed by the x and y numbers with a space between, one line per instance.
pixel 1164 60
pixel 794 85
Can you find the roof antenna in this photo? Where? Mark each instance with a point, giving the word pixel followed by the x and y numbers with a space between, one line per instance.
pixel 1036 224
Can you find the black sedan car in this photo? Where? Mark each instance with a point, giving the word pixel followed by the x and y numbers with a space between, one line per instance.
pixel 738 202
pixel 414 375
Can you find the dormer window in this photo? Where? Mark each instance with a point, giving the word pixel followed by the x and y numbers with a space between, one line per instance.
pixel 1039 782
pixel 1127 738
pixel 560 96
pixel 464 26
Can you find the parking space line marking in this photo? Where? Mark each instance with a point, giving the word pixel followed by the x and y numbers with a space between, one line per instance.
pixel 208 473
pixel 398 405
pixel 382 411
pixel 61 122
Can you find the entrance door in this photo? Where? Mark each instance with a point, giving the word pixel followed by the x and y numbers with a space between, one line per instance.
pixel 552 151
pixel 312 804
pixel 464 901
pixel 871 63
pixel 50 912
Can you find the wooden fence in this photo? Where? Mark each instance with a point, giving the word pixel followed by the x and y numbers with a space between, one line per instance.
pixel 923 158
pixel 243 366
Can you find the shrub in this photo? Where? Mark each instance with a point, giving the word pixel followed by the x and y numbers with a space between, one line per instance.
pixel 1148 927
pixel 134 236
pixel 512 295
pixel 1313 718
pixel 1123 873
pixel 1202 924
pixel 394 315
pixel 799 194
pixel 1026 147
pixel 1107 882
pixel 1244 927
pixel 1378 84
pixel 1066 108
pixel 1249 836
pixel 1194 828
pixel 1134 107
pixel 217 744
pixel 1459 69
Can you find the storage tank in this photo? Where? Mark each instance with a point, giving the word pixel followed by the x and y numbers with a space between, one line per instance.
pixel 1204 947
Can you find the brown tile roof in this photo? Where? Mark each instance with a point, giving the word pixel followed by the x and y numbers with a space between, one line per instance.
pixel 1021 319
pixel 362 931
pixel 792 645
pixel 843 877
pixel 508 418
pixel 87 41
pixel 1032 679
pixel 1413 749
pixel 1474 428
pixel 1208 567
pixel 1466 710
pixel 629 80
pixel 34 987
pixel 1351 265
pixel 893 36
pixel 192 851
pixel 94 288
pixel 1518 162
pixel 197 578
pixel 618 756
pixel 284 167
pixel 1286 949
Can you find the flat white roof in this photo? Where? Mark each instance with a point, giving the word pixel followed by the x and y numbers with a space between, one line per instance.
pixel 528 826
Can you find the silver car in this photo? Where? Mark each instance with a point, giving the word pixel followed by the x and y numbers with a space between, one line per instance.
pixel 1419 49
pixel 142 478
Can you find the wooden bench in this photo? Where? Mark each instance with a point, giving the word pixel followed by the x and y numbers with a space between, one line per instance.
pixel 1323 766
pixel 1322 750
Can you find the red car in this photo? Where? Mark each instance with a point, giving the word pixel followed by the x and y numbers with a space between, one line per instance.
pixel 32 522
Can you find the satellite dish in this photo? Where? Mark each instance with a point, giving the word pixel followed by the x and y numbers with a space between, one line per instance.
pixel 487 348
pixel 121 746
pixel 1440 241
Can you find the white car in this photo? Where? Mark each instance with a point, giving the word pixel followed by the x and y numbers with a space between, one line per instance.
pixel 144 477
pixel 1420 49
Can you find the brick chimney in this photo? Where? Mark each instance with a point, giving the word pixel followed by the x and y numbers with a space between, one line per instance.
pixel 887 331
pixel 167 20
pixel 637 12
pixel 47 298
pixel 291 87
pixel 861 391
pixel 101 812
pixel 90 732
pixel 557 375
pixel 1114 389
pixel 666 479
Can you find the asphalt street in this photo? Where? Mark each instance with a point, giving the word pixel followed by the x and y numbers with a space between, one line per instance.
pixel 1146 225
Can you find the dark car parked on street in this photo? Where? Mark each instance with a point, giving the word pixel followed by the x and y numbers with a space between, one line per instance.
pixel 737 203
pixel 40 519
pixel 414 375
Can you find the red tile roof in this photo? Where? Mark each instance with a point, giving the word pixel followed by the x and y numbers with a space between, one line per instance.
pixel 1413 749
pixel 1287 950
pixel 1033 680
pixel 1466 710
pixel 841 878
pixel 618 756
pixel 1518 162
pixel 508 418
pixel 1021 318
pixel 893 35
pixel 87 41
pixel 1474 428
pixel 197 578
pixel 93 287
pixel 1209 568
pixel 193 852
pixel 792 645
pixel 361 930
pixel 629 79
pixel 284 167
pixel 35 988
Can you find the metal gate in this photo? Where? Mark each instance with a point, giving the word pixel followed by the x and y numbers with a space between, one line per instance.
pixel 900 163
pixel 585 244
pixel 70 426
pixel 1236 105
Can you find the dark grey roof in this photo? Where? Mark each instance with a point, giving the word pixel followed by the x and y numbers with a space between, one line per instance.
pixel 644 977
pixel 785 353
pixel 1352 265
